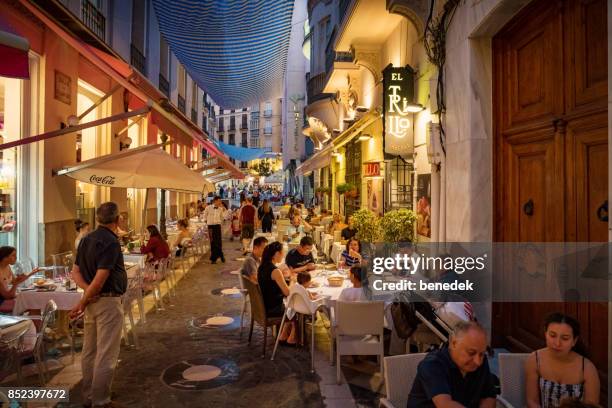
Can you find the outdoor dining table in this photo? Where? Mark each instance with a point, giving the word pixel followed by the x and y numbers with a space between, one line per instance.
pixel 138 259
pixel 328 295
pixel 37 299
pixel 11 326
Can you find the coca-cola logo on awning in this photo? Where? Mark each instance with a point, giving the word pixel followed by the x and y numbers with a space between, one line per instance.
pixel 106 180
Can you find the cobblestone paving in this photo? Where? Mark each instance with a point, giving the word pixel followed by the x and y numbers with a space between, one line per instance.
pixel 169 337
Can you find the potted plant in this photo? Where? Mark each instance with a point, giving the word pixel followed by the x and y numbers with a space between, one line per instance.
pixel 398 226
pixel 367 225
pixel 341 188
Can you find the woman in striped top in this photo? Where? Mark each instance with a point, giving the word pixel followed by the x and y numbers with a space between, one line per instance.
pixel 351 256
pixel 560 371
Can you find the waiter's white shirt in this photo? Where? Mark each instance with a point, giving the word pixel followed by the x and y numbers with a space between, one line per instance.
pixel 214 215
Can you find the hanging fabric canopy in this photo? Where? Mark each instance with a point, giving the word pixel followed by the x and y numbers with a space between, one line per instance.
pixel 142 167
pixel 241 153
pixel 236 50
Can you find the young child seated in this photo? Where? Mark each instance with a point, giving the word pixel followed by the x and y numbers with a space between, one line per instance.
pixel 304 279
pixel 355 293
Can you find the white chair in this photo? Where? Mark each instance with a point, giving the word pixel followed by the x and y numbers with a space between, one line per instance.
pixel 400 372
pixel 512 378
pixel 134 288
pixel 354 321
pixel 299 301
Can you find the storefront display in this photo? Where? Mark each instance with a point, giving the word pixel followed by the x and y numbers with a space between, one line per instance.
pixel 10 95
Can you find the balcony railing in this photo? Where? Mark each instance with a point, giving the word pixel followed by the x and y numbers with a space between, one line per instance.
pixel 315 87
pixel 164 86
pixel 267 113
pixel 93 18
pixel 181 104
pixel 138 60
pixel 244 125
pixel 336 56
pixel 194 115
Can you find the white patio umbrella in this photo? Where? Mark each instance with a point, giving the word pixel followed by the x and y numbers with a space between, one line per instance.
pixel 142 167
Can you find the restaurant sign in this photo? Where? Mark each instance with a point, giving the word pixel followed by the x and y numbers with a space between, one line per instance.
pixel 371 169
pixel 398 88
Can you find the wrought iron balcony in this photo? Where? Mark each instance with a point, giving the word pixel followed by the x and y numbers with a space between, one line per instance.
pixel 138 60
pixel 93 18
pixel 164 86
pixel 181 104
pixel 336 56
pixel 267 113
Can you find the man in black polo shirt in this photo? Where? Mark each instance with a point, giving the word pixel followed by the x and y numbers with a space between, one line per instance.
pixel 300 259
pixel 457 375
pixel 99 270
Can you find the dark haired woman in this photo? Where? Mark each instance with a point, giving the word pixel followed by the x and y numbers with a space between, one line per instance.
pixel 182 237
pixel 82 229
pixel 274 288
pixel 8 282
pixel 351 256
pixel 560 370
pixel 266 216
pixel 156 247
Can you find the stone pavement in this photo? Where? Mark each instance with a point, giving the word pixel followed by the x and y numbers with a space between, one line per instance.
pixel 179 363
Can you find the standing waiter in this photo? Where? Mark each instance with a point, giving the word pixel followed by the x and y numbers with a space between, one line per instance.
pixel 213 215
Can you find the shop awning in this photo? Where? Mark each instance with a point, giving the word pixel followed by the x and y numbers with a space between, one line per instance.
pixel 141 167
pixel 356 128
pixel 317 161
pixel 14 50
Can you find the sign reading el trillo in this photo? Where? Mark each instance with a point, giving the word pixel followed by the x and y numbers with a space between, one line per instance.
pixel 398 88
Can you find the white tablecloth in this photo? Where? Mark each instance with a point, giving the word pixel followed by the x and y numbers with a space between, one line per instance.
pixel 7 333
pixel 32 299
pixel 329 294
pixel 316 234
pixel 137 259
pixel 271 238
pixel 326 243
pixel 336 250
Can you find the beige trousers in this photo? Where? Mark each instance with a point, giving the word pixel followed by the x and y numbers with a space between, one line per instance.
pixel 101 344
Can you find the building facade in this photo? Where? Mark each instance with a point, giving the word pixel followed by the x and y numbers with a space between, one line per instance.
pixel 89 61
pixel 507 124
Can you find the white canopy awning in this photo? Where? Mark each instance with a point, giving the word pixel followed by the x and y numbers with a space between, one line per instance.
pixel 142 167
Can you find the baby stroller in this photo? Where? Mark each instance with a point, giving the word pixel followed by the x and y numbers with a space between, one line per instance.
pixel 411 312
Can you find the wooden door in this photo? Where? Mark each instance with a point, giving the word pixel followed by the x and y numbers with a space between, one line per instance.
pixel 551 152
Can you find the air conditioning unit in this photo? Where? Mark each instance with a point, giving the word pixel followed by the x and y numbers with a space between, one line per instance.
pixel 434 148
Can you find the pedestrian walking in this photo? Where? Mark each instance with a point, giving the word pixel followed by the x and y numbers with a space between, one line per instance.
pixel 214 215
pixel 247 224
pixel 266 216
pixel 100 272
